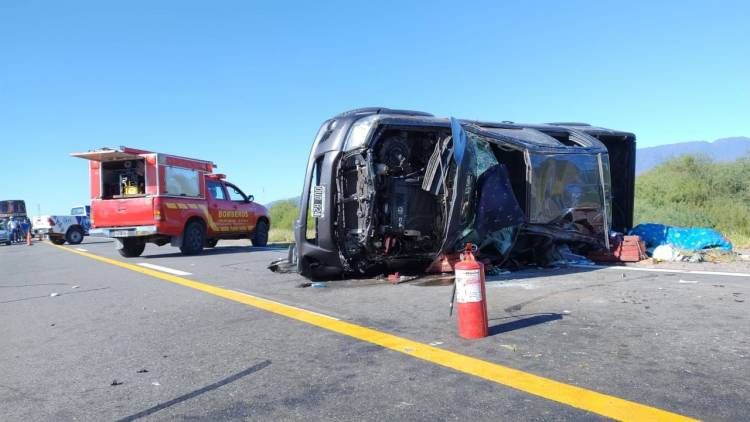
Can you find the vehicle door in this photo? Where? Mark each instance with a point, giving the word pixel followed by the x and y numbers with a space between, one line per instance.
pixel 247 209
pixel 220 208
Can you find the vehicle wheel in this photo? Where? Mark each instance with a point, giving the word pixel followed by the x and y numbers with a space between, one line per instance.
pixel 7 243
pixel 132 248
pixel 57 240
pixel 193 239
pixel 74 235
pixel 211 243
pixel 260 237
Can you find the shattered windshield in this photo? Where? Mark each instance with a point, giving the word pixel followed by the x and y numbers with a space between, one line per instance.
pixel 562 183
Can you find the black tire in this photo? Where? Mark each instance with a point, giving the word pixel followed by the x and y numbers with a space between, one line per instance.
pixel 193 238
pixel 132 248
pixel 8 243
pixel 57 240
pixel 260 237
pixel 74 235
pixel 211 243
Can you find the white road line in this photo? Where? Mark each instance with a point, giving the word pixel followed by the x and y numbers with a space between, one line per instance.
pixel 82 250
pixel 163 269
pixel 285 304
pixel 662 270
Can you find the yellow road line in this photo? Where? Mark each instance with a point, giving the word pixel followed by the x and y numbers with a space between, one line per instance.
pixel 581 398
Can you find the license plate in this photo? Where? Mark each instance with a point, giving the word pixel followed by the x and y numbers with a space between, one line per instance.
pixel 121 233
pixel 317 205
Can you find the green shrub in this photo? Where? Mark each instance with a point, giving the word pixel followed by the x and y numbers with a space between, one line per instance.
pixel 693 191
pixel 283 215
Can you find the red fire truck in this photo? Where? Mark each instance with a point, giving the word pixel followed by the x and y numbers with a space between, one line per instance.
pixel 141 196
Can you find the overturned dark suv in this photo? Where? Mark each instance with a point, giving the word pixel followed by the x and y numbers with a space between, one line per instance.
pixel 389 190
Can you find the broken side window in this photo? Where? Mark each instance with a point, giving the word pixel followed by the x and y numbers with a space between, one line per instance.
pixel 492 209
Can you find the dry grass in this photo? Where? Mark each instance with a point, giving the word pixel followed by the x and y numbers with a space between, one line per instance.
pixel 280 235
pixel 739 240
pixel 285 235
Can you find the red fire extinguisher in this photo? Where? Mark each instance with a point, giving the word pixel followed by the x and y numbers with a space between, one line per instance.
pixel 470 296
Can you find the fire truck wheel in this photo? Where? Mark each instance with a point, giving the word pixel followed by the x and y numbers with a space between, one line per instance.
pixel 74 235
pixel 194 238
pixel 210 243
pixel 260 237
pixel 132 248
pixel 57 240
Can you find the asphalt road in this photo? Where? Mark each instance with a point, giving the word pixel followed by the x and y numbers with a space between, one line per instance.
pixel 117 344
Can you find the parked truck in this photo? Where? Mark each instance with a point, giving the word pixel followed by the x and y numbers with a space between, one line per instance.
pixel 64 228
pixel 140 197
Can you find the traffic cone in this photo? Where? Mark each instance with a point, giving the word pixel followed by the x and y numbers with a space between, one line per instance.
pixel 28 238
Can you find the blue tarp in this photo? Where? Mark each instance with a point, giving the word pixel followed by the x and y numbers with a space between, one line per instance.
pixel 691 239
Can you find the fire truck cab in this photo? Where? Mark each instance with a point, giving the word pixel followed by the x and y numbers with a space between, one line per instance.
pixel 140 197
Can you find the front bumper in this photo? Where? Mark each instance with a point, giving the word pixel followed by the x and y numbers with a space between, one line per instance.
pixel 118 232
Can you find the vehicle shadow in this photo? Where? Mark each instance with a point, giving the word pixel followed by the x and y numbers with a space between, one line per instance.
pixel 535 272
pixel 219 250
pixel 526 321
pixel 91 242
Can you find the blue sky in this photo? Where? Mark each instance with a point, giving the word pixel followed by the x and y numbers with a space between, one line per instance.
pixel 246 84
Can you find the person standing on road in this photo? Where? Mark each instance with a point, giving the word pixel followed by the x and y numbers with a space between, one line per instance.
pixel 13 228
pixel 25 227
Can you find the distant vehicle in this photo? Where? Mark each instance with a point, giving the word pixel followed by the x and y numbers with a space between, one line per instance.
pixel 141 196
pixel 12 208
pixel 64 228
pixel 15 208
pixel 393 190
pixel 4 234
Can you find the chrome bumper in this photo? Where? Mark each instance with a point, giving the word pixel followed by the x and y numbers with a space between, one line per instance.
pixel 135 231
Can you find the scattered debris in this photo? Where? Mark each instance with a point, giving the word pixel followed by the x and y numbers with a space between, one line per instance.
pixel 688 281
pixel 303 285
pixel 142 371
pixel 436 343
pixel 74 287
pixel 511 347
pixel 622 249
pixel 155 383
pixel 52 325
pixel 566 312
pixel 319 285
pixel 397 278
pixel 115 382
pixel 492 270
pixel 54 294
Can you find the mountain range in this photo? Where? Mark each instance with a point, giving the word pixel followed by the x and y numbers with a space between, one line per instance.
pixel 725 149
